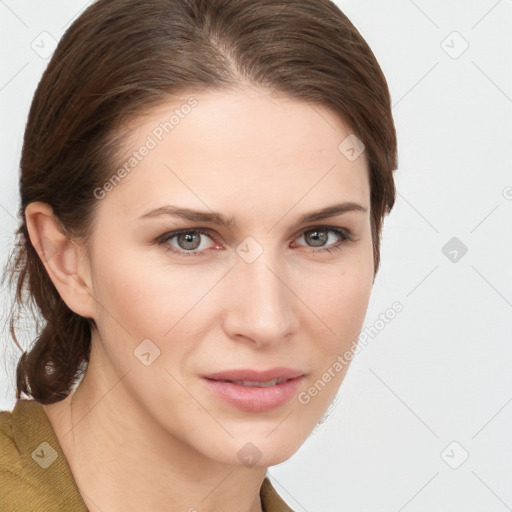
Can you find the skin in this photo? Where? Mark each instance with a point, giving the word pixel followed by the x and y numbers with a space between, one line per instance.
pixel 265 160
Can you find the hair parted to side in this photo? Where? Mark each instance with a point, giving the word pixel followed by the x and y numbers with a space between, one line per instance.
pixel 121 58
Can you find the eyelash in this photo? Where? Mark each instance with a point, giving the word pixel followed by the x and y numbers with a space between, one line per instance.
pixel 344 234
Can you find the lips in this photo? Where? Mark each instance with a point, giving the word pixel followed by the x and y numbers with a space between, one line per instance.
pixel 249 375
pixel 251 397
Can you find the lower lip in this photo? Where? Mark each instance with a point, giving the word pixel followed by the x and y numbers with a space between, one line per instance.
pixel 255 398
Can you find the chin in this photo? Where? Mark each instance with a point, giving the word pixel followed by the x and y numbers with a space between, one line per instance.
pixel 264 450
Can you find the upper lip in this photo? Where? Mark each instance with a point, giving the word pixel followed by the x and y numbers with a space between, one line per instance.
pixel 255 375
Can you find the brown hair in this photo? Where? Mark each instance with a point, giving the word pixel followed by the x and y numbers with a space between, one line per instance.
pixel 122 57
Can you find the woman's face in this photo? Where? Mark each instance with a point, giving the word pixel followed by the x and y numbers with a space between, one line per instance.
pixel 268 290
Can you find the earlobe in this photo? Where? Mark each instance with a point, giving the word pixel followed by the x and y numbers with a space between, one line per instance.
pixel 60 257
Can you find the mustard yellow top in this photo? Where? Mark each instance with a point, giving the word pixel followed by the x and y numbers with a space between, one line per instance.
pixel 35 475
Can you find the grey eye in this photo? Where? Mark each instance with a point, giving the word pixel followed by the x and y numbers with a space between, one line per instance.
pixel 189 241
pixel 318 236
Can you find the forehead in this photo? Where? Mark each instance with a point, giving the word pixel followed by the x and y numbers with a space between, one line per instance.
pixel 247 148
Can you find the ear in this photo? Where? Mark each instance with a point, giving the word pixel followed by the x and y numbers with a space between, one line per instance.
pixel 65 261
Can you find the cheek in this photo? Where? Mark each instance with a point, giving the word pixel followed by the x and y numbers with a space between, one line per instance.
pixel 347 304
pixel 339 300
pixel 341 305
pixel 128 293
pixel 147 299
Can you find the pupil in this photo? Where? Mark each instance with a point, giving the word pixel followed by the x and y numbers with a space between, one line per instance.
pixel 319 236
pixel 185 239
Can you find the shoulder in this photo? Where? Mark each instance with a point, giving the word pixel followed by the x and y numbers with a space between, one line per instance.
pixel 16 435
pixel 33 469
pixel 270 499
pixel 19 488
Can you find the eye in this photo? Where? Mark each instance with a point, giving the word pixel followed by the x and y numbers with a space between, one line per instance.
pixel 319 236
pixel 189 242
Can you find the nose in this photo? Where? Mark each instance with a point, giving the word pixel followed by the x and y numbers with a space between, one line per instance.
pixel 259 304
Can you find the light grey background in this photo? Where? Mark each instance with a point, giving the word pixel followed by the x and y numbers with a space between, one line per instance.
pixel 439 372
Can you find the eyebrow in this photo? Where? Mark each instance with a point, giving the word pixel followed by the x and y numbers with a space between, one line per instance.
pixel 221 220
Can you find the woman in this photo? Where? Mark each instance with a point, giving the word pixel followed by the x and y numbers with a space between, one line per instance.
pixel 203 185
